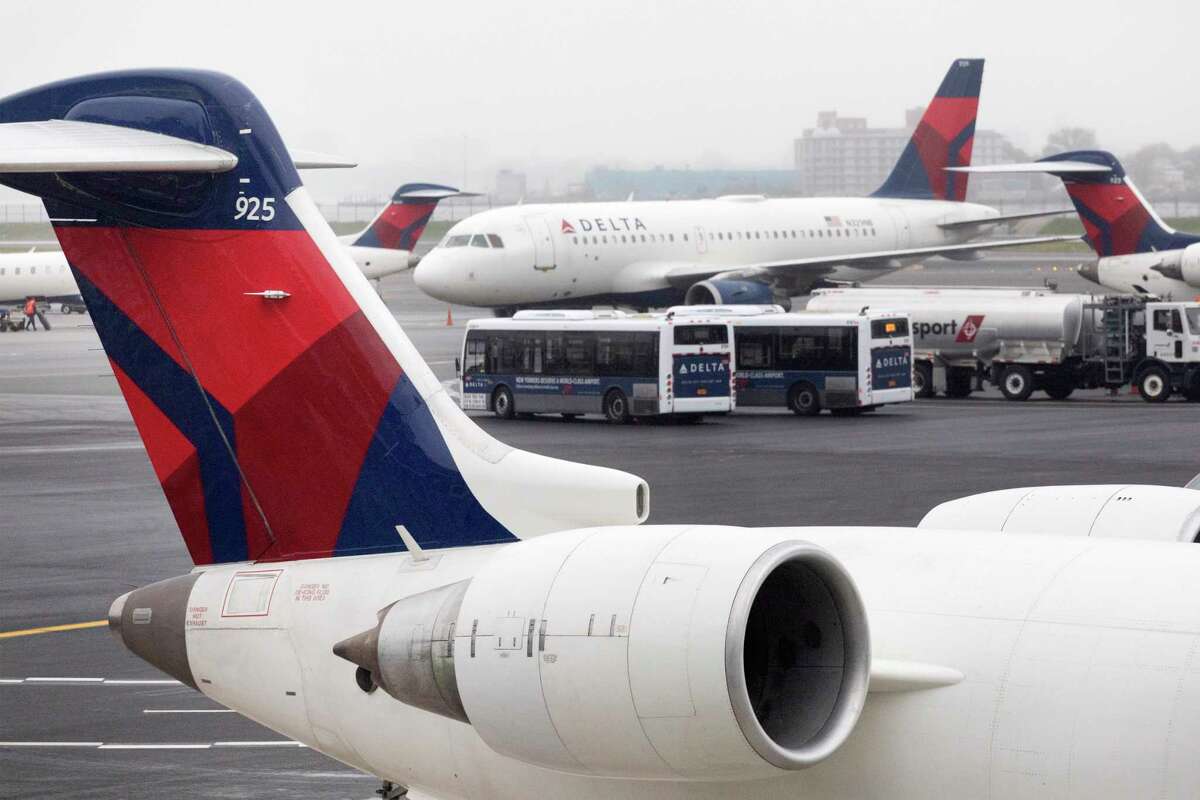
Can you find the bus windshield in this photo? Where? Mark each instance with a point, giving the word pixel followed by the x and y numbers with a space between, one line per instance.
pixel 701 334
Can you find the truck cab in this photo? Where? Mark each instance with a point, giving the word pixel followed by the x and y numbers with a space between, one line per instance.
pixel 1172 351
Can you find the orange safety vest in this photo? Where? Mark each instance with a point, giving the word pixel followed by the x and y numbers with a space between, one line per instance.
pixel 30 307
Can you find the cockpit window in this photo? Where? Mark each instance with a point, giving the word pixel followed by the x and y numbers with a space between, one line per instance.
pixel 457 241
pixel 495 240
pixel 479 240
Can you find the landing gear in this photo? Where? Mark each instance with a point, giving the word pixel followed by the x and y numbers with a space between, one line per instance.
pixel 392 791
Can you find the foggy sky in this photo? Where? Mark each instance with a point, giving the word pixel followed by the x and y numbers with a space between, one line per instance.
pixel 407 87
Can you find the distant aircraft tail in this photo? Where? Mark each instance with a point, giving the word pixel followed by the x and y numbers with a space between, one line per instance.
pixel 285 412
pixel 1117 220
pixel 943 138
pixel 400 224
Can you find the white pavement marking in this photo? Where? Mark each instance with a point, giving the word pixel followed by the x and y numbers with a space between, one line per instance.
pixel 270 743
pixel 187 711
pixel 64 680
pixel 141 682
pixel 51 744
pixel 154 747
pixel 69 448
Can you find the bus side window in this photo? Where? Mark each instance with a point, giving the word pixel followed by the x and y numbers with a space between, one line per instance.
pixel 754 349
pixel 580 353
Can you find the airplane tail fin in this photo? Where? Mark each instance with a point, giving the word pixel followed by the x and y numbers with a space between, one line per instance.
pixel 402 221
pixel 284 411
pixel 1117 219
pixel 943 138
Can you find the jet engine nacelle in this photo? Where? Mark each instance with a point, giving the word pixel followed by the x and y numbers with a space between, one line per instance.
pixel 1182 265
pixel 720 291
pixel 1157 513
pixel 676 653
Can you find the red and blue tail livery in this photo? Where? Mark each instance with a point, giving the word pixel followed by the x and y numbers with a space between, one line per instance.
pixel 943 138
pixel 1116 219
pixel 285 413
pixel 400 225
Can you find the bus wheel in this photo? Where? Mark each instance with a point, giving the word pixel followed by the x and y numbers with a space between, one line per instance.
pixel 616 407
pixel 1154 385
pixel 502 403
pixel 804 400
pixel 922 379
pixel 1016 383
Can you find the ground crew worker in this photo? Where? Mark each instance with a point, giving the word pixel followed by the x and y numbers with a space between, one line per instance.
pixel 30 314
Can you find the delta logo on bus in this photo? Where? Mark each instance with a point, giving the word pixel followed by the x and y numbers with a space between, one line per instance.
pixel 891 367
pixel 701 376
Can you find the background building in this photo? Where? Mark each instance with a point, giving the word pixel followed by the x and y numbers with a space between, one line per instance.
pixel 843 157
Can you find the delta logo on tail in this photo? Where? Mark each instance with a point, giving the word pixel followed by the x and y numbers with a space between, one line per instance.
pixel 943 138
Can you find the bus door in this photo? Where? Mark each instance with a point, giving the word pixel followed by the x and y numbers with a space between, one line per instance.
pixel 543 243
pixel 701 356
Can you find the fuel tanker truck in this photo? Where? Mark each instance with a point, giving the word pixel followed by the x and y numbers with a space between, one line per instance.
pixel 1025 340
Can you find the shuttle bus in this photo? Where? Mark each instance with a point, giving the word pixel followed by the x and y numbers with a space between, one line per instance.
pixel 807 361
pixel 598 362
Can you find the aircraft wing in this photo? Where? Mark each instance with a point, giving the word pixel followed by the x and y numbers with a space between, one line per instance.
pixel 966 223
pixel 790 270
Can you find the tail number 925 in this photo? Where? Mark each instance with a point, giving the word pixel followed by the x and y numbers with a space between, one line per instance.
pixel 261 209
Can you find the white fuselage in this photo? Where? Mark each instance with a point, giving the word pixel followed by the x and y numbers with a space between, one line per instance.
pixel 46 274
pixel 1080 664
pixel 584 253
pixel 38 274
pixel 1133 274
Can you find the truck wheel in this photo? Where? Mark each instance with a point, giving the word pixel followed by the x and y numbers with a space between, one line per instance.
pixel 1016 383
pixel 922 379
pixel 804 400
pixel 616 407
pixel 958 383
pixel 1058 388
pixel 502 403
pixel 1155 385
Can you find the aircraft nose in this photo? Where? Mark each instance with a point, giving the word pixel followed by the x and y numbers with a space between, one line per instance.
pixel 429 275
pixel 1091 272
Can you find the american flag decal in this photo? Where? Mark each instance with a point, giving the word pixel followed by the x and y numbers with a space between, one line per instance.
pixel 833 221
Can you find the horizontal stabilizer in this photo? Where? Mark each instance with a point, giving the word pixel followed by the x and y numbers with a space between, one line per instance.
pixel 966 223
pixel 74 146
pixel 1044 167
pixel 307 159
pixel 888 675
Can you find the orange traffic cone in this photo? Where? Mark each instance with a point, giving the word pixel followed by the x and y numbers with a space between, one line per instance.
pixel 449 317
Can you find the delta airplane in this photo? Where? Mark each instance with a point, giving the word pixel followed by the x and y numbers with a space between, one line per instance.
pixel 384 247
pixel 735 249
pixel 1136 251
pixel 381 580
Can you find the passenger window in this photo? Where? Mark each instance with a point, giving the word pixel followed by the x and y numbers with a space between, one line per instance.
pixel 622 238
pixel 1162 320
pixel 574 240
pixel 479 240
pixel 671 237
pixel 685 237
pixel 1176 321
pixel 33 270
pixel 1 270
pixel 16 270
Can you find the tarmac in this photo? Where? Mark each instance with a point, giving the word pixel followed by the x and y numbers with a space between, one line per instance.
pixel 83 520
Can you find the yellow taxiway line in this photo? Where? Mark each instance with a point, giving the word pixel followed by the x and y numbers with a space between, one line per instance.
pixel 74 626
